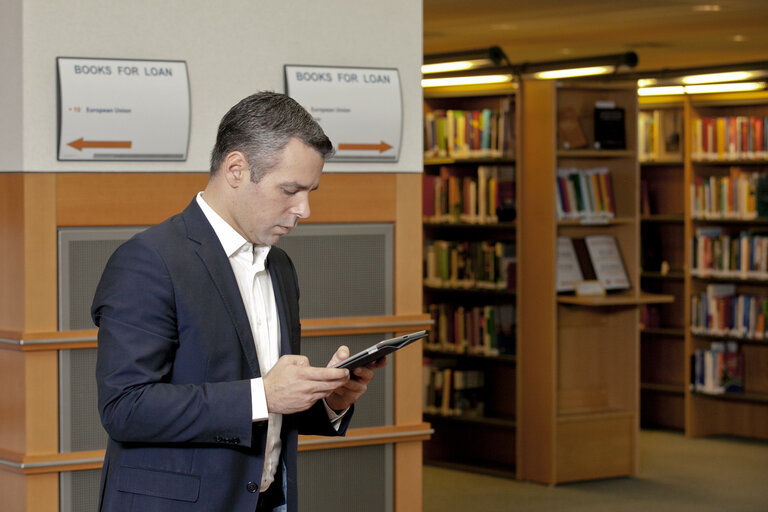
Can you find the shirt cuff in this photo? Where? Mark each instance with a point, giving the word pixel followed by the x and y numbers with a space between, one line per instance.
pixel 333 417
pixel 259 410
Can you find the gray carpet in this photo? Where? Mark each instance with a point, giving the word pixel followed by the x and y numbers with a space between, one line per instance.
pixel 676 474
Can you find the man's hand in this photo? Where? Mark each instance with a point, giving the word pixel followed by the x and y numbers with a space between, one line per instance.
pixel 348 393
pixel 292 385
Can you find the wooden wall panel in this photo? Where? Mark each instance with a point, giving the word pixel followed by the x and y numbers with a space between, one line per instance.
pixel 131 199
pixel 11 251
pixel 12 402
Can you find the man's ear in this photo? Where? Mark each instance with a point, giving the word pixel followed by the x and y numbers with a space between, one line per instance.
pixel 235 169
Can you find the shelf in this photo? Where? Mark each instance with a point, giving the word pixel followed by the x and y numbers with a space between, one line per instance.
pixel 730 162
pixel 472 420
pixel 501 358
pixel 762 221
pixel 501 160
pixel 662 331
pixel 672 275
pixel 731 279
pixel 663 218
pixel 565 223
pixel 595 153
pixel 670 389
pixel 472 291
pixel 661 163
pixel 469 225
pixel 756 398
pixel 633 299
pixel 720 337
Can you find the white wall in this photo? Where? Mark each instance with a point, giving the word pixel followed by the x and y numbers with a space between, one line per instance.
pixel 232 49
pixel 10 85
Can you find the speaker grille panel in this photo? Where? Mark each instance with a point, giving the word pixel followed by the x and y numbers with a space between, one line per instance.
pixel 343 269
pixel 79 490
pixel 79 423
pixel 375 407
pixel 357 478
pixel 83 254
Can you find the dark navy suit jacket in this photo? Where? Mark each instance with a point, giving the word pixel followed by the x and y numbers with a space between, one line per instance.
pixel 175 359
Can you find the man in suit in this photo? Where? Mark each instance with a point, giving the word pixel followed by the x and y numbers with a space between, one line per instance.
pixel 201 388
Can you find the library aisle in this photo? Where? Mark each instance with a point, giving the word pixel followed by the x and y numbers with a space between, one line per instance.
pixel 677 473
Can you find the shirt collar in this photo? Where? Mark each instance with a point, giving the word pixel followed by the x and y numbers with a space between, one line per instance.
pixel 232 241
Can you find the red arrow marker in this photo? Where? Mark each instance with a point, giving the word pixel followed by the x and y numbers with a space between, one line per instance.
pixel 382 147
pixel 79 144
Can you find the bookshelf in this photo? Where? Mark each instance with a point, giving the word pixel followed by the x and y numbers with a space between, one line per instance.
pixel 726 167
pixel 578 371
pixel 662 198
pixel 470 278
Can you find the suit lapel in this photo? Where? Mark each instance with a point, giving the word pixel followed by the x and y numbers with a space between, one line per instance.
pixel 283 310
pixel 215 260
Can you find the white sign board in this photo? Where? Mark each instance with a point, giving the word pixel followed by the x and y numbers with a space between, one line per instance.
pixel 123 109
pixel 360 109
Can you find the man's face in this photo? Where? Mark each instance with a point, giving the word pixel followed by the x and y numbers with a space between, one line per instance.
pixel 263 212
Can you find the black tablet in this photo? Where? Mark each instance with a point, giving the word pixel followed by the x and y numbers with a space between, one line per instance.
pixel 379 350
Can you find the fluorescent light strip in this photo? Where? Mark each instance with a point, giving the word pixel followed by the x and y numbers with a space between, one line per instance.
pixel 731 87
pixel 465 80
pixel 459 65
pixel 712 78
pixel 661 91
pixel 700 89
pixel 568 73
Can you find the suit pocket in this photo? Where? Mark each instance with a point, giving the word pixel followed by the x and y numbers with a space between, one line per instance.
pixel 159 484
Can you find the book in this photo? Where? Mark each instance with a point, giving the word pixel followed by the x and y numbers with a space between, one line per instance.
pixel 594 257
pixel 568 267
pixel 570 133
pixel 606 261
pixel 610 132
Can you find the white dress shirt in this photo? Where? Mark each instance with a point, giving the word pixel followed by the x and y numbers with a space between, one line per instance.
pixel 253 280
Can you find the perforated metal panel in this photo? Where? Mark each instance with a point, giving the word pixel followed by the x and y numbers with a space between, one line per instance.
pixel 375 408
pixel 79 424
pixel 359 478
pixel 79 490
pixel 83 254
pixel 343 269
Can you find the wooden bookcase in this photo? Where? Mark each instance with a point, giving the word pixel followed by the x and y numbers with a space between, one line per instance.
pixel 470 276
pixel 578 370
pixel 662 199
pixel 742 413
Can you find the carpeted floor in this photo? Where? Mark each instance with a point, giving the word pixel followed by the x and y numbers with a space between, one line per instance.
pixel 677 474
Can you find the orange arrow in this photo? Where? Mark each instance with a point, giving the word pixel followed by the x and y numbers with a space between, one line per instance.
pixel 79 144
pixel 382 146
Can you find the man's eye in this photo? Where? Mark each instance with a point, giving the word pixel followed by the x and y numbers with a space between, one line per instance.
pixel 289 192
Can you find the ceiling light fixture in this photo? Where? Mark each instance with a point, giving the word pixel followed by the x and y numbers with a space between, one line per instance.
pixel 466 80
pixel 712 78
pixel 463 60
pixel 579 67
pixel 672 90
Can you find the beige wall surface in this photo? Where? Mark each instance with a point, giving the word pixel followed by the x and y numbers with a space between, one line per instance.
pixel 232 48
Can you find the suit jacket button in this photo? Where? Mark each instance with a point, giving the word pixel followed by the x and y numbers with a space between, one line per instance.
pixel 252 487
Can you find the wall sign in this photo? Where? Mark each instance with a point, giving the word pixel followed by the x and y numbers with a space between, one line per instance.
pixel 123 109
pixel 360 109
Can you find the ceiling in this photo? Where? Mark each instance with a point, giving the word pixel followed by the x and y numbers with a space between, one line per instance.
pixel 666 34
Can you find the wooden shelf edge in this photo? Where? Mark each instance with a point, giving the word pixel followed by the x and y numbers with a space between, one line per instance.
pixel 365 325
pixel 480 421
pixel 369 436
pixel 636 299
pixel 670 389
pixel 30 341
